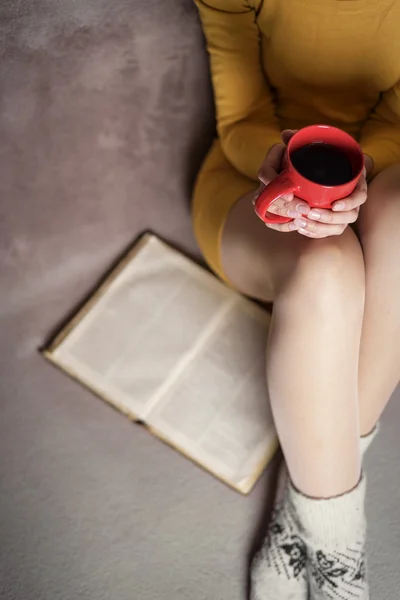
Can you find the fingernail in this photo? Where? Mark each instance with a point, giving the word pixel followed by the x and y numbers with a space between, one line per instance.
pixel 301 223
pixel 293 214
pixel 303 231
pixel 287 197
pixel 339 206
pixel 293 226
pixel 303 208
pixel 314 214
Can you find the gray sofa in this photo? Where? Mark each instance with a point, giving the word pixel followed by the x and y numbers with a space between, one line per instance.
pixel 105 114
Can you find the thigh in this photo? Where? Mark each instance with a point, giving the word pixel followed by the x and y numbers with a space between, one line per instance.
pixel 218 187
pixel 260 262
pixel 234 242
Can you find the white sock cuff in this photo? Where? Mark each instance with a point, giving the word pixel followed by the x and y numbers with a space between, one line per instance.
pixel 329 522
pixel 366 440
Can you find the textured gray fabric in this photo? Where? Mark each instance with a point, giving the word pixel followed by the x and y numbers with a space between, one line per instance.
pixel 105 114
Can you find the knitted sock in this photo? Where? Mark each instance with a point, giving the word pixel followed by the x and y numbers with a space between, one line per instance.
pixel 333 531
pixel 279 569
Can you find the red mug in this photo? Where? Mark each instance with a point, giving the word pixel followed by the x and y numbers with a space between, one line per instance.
pixel 290 181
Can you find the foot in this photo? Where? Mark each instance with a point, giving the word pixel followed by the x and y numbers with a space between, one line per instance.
pixel 279 569
pixel 334 533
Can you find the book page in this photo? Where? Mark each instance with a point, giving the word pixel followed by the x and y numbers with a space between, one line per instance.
pixel 167 343
pixel 143 328
pixel 218 412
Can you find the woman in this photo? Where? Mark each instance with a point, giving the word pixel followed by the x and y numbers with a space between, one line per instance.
pixel 333 352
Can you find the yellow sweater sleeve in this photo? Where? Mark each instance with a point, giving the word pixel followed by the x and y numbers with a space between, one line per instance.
pixel 380 135
pixel 246 122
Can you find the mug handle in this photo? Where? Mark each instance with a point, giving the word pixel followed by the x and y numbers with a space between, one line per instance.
pixel 278 187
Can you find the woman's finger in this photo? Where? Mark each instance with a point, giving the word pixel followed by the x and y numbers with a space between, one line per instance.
pixel 323 232
pixel 286 134
pixel 272 164
pixel 289 206
pixel 308 228
pixel 258 191
pixel 357 198
pixel 280 205
pixel 335 218
pixel 315 229
pixel 283 227
pixel 300 225
pixel 369 165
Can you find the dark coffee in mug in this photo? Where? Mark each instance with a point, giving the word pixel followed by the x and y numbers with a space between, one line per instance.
pixel 323 164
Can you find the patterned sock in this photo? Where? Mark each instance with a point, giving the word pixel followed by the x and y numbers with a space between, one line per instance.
pixel 278 570
pixel 334 532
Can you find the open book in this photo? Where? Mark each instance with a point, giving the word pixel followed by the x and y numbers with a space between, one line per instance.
pixel 169 345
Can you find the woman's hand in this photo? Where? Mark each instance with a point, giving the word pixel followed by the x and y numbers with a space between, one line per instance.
pixel 310 222
pixel 320 223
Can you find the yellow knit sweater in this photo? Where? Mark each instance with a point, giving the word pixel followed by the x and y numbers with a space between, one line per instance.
pixel 279 64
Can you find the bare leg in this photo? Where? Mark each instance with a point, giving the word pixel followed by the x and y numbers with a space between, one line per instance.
pixel 318 292
pixel 379 230
pixel 332 364
pixel 318 288
pixel 315 378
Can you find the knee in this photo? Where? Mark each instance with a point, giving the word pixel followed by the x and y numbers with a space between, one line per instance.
pixel 329 274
